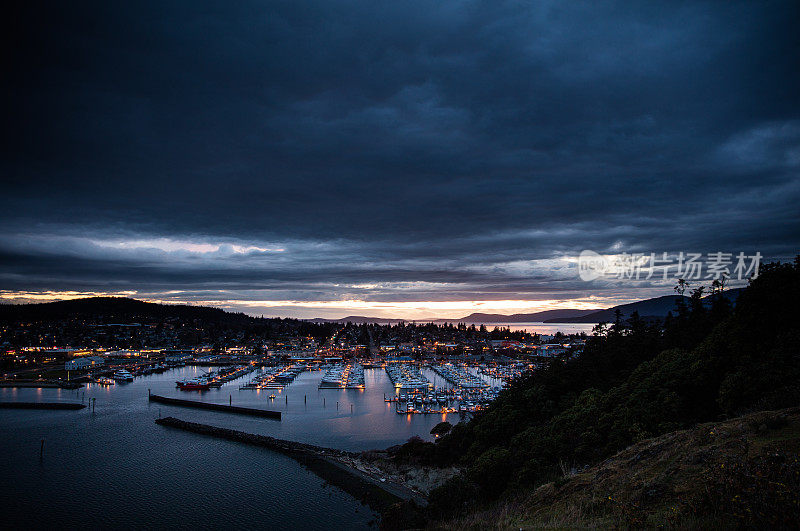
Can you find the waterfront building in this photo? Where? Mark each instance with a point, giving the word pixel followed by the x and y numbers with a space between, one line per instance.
pixel 84 363
pixel 177 355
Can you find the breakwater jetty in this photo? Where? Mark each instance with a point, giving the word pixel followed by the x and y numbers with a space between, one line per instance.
pixel 327 463
pixel 40 405
pixel 215 407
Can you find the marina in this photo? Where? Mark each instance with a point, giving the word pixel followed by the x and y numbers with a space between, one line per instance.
pixel 214 378
pixel 506 373
pixel 276 377
pixel 228 374
pixel 459 376
pixel 355 409
pixel 118 445
pixel 442 401
pixel 407 376
pixel 386 405
pixel 343 376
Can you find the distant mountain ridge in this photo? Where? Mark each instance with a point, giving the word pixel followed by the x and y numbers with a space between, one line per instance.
pixel 536 317
pixel 476 318
pixel 360 319
pixel 657 307
pixel 124 308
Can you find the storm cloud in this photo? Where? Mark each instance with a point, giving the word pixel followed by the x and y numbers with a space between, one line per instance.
pixel 390 151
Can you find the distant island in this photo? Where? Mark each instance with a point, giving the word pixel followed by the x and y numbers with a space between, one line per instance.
pixel 655 308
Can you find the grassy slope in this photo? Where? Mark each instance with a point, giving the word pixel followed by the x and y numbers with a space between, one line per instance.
pixel 743 471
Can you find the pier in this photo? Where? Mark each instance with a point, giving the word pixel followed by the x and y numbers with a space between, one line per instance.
pixel 227 374
pixel 215 407
pixel 407 376
pixel 40 405
pixel 274 378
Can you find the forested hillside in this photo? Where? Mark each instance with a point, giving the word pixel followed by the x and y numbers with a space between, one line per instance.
pixel 635 380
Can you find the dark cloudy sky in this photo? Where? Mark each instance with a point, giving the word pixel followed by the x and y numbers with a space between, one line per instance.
pixel 390 158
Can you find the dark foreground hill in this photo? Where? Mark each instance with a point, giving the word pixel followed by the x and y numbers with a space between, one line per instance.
pixel 636 380
pixel 744 472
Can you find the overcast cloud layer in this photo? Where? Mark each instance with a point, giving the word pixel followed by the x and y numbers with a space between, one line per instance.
pixel 391 158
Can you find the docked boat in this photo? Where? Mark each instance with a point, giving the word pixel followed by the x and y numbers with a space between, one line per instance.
pixel 195 384
pixel 123 376
pixel 104 380
pixel 334 378
pixel 407 377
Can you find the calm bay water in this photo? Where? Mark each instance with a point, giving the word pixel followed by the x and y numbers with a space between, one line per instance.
pixel 116 467
pixel 544 328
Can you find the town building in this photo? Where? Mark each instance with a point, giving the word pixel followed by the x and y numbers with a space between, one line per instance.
pixel 84 363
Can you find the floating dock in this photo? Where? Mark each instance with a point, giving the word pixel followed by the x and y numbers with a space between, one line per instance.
pixel 407 376
pixel 459 376
pixel 343 376
pixel 216 407
pixel 41 405
pixel 217 379
pixel 274 378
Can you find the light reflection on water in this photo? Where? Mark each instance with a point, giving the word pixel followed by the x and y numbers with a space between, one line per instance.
pixel 116 467
pixel 543 328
